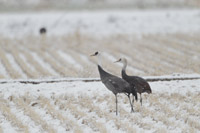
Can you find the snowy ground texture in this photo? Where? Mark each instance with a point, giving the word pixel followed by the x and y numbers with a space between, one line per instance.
pixel 89 107
pixel 78 106
pixel 155 42
pixel 101 22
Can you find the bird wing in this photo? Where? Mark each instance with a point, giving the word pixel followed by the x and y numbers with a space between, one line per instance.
pixel 116 85
pixel 140 83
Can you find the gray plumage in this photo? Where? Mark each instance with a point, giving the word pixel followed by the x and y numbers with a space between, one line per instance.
pixel 140 84
pixel 115 84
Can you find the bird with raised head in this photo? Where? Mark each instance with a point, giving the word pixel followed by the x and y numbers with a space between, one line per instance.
pixel 137 83
pixel 114 83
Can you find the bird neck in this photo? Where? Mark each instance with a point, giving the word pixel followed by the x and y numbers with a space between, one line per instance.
pixel 124 65
pixel 124 69
pixel 99 60
pixel 103 73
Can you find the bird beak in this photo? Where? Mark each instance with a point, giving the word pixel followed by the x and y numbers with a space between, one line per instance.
pixel 117 61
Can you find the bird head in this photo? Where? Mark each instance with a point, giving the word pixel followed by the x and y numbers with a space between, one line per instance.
pixel 95 54
pixel 121 60
pixel 118 60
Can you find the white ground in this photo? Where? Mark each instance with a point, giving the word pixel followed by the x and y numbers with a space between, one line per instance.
pixel 89 106
pixel 78 92
pixel 101 22
pixel 13 87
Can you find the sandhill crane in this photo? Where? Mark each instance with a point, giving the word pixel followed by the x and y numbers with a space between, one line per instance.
pixel 114 83
pixel 140 84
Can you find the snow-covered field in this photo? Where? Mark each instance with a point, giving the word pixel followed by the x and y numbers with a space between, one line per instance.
pixel 155 42
pixel 101 23
pixel 39 89
pixel 89 107
pixel 69 56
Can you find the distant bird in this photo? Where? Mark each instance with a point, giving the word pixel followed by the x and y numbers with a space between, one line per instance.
pixel 114 83
pixel 140 84
pixel 43 30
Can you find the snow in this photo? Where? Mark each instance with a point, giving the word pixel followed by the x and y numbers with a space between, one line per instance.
pixel 96 90
pixel 6 125
pixel 3 70
pixel 22 56
pixel 183 86
pixel 85 59
pixel 109 57
pixel 132 69
pixel 25 119
pixel 56 124
pixel 70 60
pixel 101 22
pixel 174 75
pixel 15 65
pixel 44 64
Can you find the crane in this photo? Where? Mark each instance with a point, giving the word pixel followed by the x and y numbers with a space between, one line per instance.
pixel 139 84
pixel 114 83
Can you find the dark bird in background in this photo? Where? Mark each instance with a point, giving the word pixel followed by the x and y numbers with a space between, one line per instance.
pixel 43 30
pixel 140 84
pixel 114 83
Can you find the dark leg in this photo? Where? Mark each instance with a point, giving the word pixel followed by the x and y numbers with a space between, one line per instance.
pixel 130 103
pixel 133 100
pixel 116 103
pixel 141 99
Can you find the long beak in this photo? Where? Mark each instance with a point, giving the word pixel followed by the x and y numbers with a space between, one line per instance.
pixel 117 61
pixel 92 55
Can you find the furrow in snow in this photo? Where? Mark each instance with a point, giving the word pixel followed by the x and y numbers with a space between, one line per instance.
pixel 70 60
pixel 6 125
pixel 25 119
pixel 37 66
pixel 44 64
pixel 3 72
pixel 15 65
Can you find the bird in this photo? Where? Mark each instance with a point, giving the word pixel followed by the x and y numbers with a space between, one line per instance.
pixel 114 83
pixel 140 84
pixel 43 30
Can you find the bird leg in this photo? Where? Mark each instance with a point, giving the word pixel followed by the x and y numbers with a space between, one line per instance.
pixel 141 99
pixel 130 103
pixel 128 95
pixel 116 103
pixel 133 100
